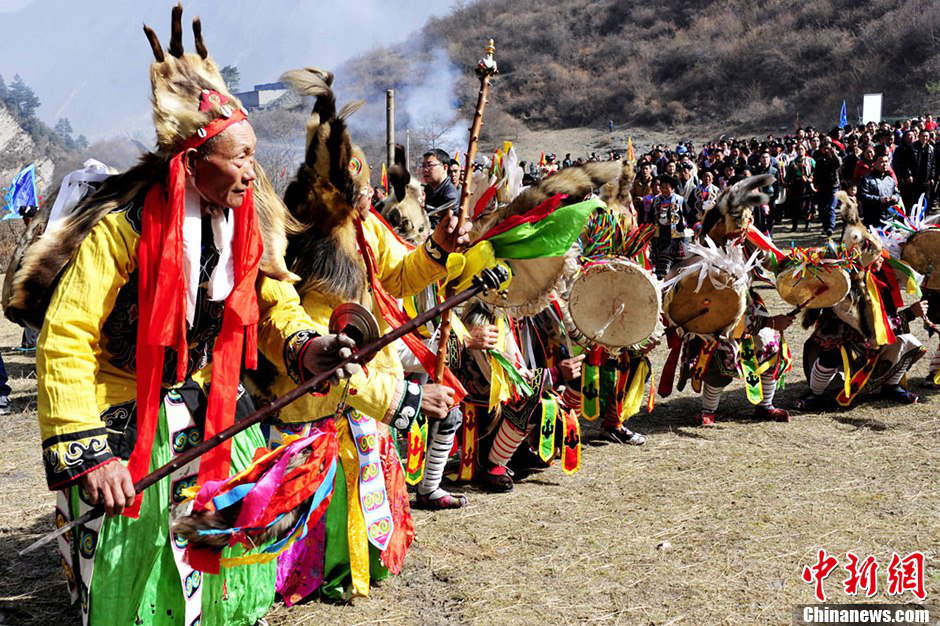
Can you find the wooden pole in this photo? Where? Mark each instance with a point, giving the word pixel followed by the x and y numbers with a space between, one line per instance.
pixel 486 68
pixel 486 280
pixel 390 127
pixel 408 163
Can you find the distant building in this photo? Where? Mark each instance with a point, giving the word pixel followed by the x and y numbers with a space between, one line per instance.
pixel 262 95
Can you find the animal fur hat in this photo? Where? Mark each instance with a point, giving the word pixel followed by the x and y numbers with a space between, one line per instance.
pixel 332 182
pixel 181 82
pixel 855 235
pixel 733 210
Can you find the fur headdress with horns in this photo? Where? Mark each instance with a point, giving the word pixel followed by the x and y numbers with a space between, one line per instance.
pixel 330 184
pixel 180 81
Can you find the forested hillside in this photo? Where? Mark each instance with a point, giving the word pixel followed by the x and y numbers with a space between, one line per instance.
pixel 712 64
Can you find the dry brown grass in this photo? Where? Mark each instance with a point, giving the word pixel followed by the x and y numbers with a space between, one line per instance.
pixel 700 526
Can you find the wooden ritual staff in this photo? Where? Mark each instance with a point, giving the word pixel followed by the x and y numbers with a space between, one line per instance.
pixel 487 279
pixel 486 68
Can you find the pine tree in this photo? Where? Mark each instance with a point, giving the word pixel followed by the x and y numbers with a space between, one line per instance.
pixel 64 128
pixel 22 99
pixel 4 92
pixel 231 76
pixel 81 143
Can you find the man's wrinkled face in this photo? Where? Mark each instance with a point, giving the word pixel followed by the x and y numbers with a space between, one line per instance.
pixel 224 175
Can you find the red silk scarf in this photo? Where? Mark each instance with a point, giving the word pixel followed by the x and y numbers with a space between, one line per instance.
pixel 162 321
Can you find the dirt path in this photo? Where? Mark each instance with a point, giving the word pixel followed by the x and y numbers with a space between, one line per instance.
pixel 699 526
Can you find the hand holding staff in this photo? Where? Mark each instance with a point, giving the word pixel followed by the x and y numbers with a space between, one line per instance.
pixel 486 68
pixel 487 279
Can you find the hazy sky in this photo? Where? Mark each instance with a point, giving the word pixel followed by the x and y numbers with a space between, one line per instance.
pixel 87 60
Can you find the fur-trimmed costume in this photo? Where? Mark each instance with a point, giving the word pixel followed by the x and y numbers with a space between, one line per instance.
pixel 84 282
pixel 751 347
pixel 866 335
pixel 342 256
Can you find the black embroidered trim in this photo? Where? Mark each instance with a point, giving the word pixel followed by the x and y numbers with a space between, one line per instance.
pixel 437 253
pixel 293 351
pixel 67 457
pixel 410 406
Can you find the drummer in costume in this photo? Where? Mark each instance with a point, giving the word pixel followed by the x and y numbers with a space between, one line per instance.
pixel 512 391
pixel 344 252
pixel 617 338
pixel 721 328
pixel 150 293
pixel 867 333
pixel 914 238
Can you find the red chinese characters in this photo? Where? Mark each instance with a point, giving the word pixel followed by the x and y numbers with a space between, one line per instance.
pixel 907 574
pixel 819 572
pixel 862 575
pixel 903 574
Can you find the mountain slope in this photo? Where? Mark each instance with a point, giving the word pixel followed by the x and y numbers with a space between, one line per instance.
pixel 726 64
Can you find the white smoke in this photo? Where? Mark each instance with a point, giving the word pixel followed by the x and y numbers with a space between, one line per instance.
pixel 427 113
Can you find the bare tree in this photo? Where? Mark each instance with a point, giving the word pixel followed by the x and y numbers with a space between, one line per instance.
pixel 280 144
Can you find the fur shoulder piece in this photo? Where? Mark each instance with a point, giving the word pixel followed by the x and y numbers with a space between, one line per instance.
pixel 617 194
pixel 40 258
pixel 576 182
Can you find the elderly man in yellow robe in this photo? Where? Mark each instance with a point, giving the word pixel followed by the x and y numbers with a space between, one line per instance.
pixel 166 295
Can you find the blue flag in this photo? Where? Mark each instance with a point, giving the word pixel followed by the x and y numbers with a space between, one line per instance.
pixel 21 193
pixel 843 117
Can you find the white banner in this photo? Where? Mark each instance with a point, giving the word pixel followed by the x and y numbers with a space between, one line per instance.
pixel 871 108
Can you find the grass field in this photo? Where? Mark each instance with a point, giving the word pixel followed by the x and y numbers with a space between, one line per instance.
pixel 699 526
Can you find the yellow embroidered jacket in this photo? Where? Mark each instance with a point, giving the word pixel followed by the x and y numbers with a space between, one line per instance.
pixel 379 391
pixel 85 356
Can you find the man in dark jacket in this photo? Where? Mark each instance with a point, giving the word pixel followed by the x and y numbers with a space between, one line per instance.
pixel 877 192
pixel 438 188
pixel 923 170
pixel 826 179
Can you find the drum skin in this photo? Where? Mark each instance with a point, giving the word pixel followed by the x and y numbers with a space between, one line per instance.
pixel 830 286
pixel 708 310
pixel 615 303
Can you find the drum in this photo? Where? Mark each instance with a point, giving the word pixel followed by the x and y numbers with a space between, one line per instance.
pixel 815 287
pixel 712 307
pixel 922 252
pixel 533 282
pixel 615 303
